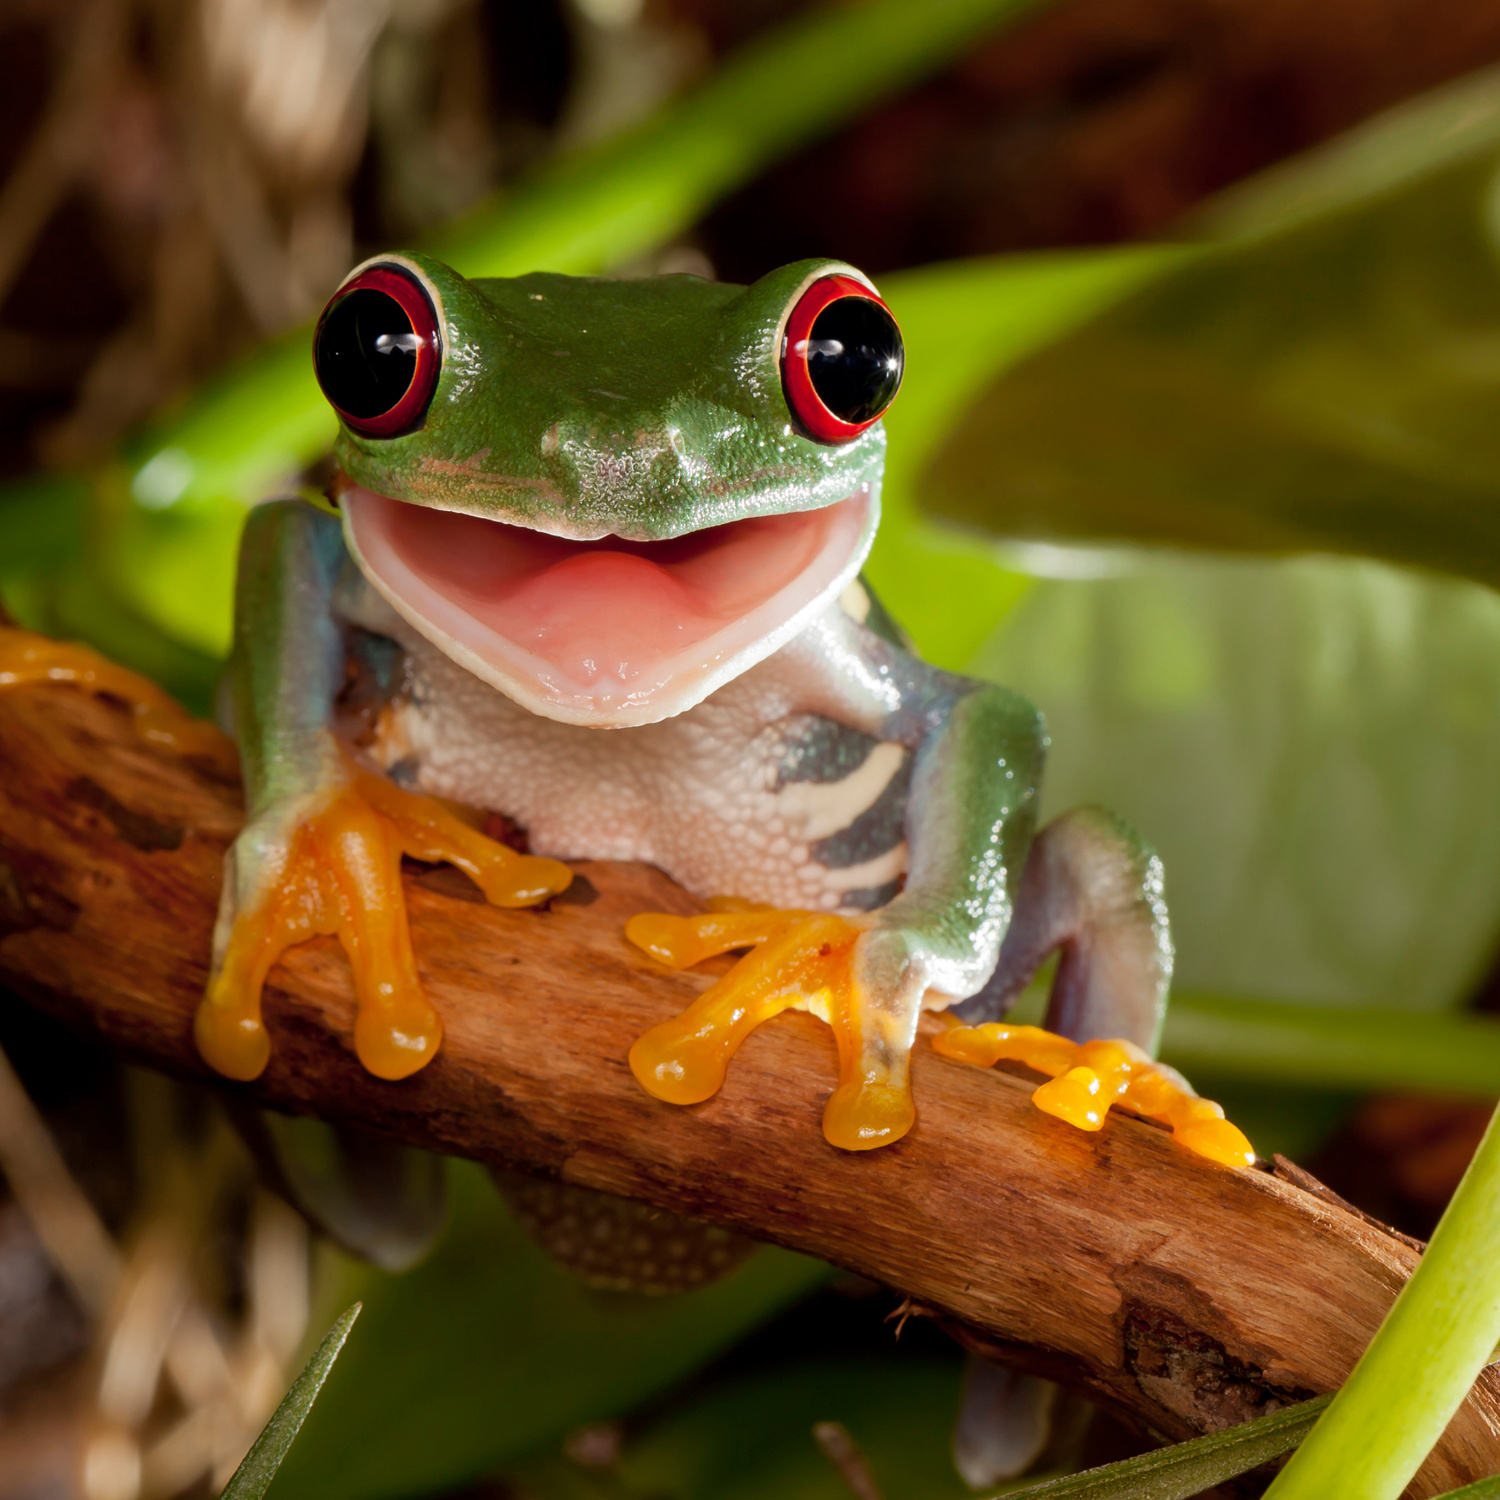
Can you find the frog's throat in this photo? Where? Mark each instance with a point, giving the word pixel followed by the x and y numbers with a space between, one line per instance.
pixel 608 633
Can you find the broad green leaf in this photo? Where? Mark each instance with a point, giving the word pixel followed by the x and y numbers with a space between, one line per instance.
pixel 964 323
pixel 254 1475
pixel 1323 378
pixel 487 1351
pixel 1189 1468
pixel 1310 745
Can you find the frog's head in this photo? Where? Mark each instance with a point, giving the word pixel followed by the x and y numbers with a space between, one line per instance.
pixel 608 498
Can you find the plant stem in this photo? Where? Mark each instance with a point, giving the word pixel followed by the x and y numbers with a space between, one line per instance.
pixel 1435 1340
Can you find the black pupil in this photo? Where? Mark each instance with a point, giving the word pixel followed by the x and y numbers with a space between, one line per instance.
pixel 367 353
pixel 854 357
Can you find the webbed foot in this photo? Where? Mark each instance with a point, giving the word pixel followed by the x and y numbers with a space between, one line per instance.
pixel 27 658
pixel 331 864
pixel 807 960
pixel 1090 1078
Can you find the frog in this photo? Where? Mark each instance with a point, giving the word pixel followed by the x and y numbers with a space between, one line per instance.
pixel 600 543
pixel 591 558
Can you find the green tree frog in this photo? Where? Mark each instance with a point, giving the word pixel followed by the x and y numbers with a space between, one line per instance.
pixel 593 562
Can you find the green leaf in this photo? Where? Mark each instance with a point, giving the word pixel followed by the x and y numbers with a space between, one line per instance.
pixel 1309 744
pixel 1481 1489
pixel 254 1475
pixel 1186 1468
pixel 42 519
pixel 1424 1357
pixel 487 1350
pixel 963 323
pixel 1325 378
pixel 601 205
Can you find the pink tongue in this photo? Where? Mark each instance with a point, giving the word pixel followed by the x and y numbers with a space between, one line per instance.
pixel 607 608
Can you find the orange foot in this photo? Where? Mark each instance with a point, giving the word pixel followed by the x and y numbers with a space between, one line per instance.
pixel 28 658
pixel 1089 1077
pixel 800 959
pixel 340 872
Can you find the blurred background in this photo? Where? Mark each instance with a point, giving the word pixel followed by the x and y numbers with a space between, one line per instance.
pixel 1198 449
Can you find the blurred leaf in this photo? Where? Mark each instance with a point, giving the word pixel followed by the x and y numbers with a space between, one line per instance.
pixel 599 206
pixel 488 1350
pixel 1310 745
pixel 1365 1048
pixel 51 580
pixel 962 324
pixel 42 520
pixel 254 1475
pixel 1327 381
pixel 1441 128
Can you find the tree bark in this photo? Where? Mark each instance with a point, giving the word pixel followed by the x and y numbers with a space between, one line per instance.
pixel 1185 1295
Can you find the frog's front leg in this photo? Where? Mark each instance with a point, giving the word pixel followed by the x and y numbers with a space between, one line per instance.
pixel 321 850
pixel 969 818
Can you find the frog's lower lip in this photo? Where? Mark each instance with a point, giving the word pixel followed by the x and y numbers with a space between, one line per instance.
pixel 607 633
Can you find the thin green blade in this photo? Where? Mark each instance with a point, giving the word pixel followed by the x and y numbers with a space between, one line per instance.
pixel 1186 1468
pixel 1481 1489
pixel 253 1477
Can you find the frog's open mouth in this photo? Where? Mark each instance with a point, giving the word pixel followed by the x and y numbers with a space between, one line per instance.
pixel 610 632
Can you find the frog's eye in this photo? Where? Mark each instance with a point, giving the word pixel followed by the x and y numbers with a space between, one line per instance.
pixel 377 352
pixel 841 359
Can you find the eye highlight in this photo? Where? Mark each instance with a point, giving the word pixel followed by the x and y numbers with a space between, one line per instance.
pixel 377 352
pixel 841 359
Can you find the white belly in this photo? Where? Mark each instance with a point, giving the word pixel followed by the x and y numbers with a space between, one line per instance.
pixel 707 796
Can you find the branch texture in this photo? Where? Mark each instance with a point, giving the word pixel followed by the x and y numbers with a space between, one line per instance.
pixel 1185 1295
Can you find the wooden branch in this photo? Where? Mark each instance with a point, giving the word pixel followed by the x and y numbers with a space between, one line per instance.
pixel 1186 1295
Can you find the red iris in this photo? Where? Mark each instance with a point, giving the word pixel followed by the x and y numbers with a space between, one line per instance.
pixel 378 350
pixel 841 359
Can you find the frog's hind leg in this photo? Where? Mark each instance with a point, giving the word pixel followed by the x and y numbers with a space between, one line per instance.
pixel 381 1201
pixel 615 1244
pixel 1093 890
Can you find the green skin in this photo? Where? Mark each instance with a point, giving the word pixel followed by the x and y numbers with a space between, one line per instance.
pixel 553 387
pixel 647 410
